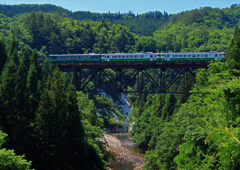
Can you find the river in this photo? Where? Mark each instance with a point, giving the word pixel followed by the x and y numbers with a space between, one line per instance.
pixel 128 155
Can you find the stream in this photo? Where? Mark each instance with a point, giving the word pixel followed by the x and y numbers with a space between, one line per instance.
pixel 128 156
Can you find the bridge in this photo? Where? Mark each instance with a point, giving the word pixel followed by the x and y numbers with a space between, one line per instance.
pixel 111 76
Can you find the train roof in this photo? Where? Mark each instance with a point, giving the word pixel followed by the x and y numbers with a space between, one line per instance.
pixel 129 53
pixel 194 52
pixel 73 54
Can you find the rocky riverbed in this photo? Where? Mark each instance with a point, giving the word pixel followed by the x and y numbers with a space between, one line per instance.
pixel 127 154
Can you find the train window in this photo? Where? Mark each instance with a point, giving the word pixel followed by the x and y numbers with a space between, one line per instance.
pixel 198 55
pixel 135 56
pixel 60 57
pixel 127 56
pixel 123 56
pixel 75 57
pixel 189 55
pixel 131 56
pixel 168 56
pixel 142 56
pixel 176 55
pixel 119 56
pixel 185 56
pixel 205 55
pixel 180 55
pixel 220 55
pixel 216 55
pixel 108 56
pixel 150 56
pixel 78 56
pixel 193 55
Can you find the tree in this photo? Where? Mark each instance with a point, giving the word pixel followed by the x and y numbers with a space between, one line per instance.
pixel 233 57
pixel 3 55
pixel 9 160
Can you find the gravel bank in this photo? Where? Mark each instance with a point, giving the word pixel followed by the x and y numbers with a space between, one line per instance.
pixel 121 152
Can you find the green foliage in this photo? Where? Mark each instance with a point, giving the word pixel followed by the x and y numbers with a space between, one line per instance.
pixel 232 56
pixel 46 120
pixel 3 55
pixel 61 31
pixel 204 132
pixel 9 160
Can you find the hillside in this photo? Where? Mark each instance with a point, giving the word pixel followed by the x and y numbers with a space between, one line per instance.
pixel 56 127
pixel 206 29
pixel 143 24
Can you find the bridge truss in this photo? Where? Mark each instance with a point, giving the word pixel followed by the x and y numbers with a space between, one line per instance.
pixel 111 77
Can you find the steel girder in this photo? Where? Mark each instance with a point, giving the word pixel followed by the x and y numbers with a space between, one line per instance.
pixel 117 84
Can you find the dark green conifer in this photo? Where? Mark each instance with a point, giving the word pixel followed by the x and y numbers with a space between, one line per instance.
pixel 23 130
pixel 34 58
pixel 233 53
pixel 8 117
pixel 3 55
pixel 12 51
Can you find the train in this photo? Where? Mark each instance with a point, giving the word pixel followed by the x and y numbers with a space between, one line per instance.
pixel 138 57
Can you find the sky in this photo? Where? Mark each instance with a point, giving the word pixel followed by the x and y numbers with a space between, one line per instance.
pixel 137 6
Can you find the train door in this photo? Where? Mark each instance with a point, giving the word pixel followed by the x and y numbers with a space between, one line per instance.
pixel 216 57
pixel 108 58
pixel 151 57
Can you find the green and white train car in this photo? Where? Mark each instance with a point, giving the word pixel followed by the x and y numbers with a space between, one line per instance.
pixel 130 57
pixel 68 58
pixel 192 57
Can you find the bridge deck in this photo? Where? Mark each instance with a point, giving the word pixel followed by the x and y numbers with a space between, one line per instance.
pixel 144 65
